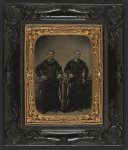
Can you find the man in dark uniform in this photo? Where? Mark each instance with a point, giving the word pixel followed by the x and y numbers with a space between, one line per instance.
pixel 50 72
pixel 77 72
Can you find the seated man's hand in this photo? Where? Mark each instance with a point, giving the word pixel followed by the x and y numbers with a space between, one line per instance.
pixel 83 81
pixel 59 76
pixel 70 75
pixel 43 77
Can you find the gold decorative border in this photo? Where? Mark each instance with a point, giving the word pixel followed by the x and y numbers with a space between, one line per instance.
pixel 94 33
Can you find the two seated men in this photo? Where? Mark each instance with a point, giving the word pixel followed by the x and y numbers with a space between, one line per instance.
pixel 62 91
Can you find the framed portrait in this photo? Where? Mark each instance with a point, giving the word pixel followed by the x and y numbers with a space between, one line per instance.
pixel 67 85
pixel 63 68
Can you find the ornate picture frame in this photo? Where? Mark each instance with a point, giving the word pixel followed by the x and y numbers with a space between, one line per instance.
pixel 22 19
pixel 94 33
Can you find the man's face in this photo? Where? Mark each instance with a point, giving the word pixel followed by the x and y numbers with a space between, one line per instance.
pixel 77 55
pixel 50 55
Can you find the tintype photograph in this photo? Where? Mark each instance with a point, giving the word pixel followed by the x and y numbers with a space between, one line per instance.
pixel 59 62
pixel 63 74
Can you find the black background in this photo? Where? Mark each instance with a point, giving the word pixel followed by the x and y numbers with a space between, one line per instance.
pixel 125 147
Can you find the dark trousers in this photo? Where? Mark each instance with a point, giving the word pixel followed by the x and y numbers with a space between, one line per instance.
pixel 79 97
pixel 48 97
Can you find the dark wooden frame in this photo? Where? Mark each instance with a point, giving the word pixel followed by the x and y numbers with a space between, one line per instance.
pixel 111 17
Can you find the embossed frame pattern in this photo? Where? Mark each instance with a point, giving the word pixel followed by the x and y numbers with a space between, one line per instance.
pixel 111 17
pixel 94 33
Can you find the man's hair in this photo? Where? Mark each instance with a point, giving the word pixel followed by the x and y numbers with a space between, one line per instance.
pixel 77 51
pixel 51 51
